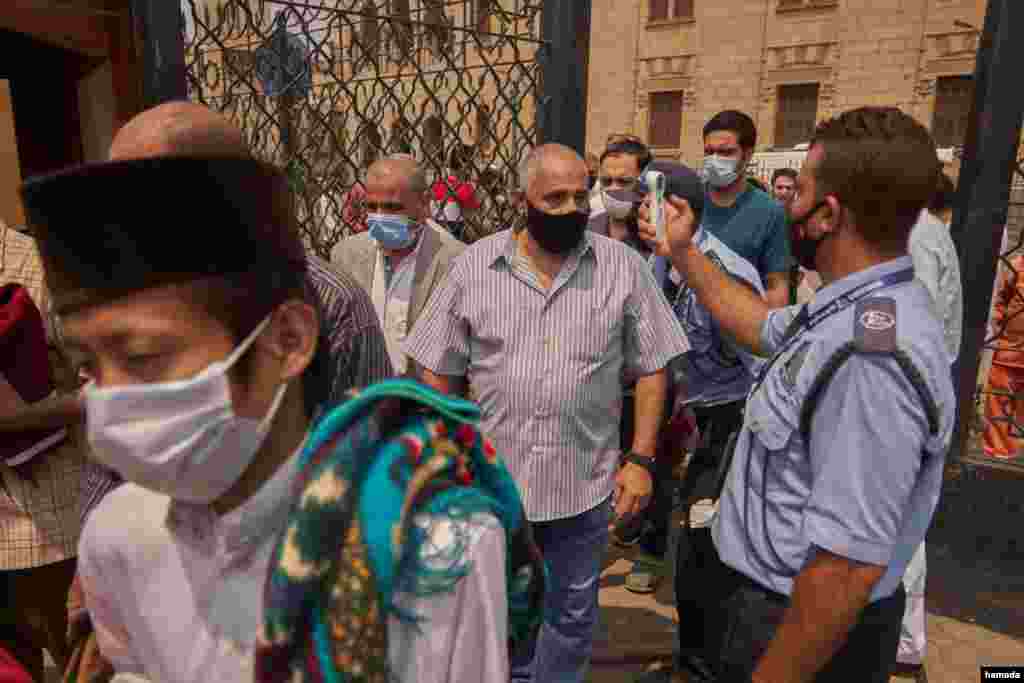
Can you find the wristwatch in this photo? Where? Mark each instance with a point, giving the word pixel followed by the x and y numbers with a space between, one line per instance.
pixel 645 461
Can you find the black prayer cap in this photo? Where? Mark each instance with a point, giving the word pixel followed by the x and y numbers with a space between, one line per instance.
pixel 681 181
pixel 109 229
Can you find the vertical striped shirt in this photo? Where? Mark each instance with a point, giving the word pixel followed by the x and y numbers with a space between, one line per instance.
pixel 546 366
pixel 358 353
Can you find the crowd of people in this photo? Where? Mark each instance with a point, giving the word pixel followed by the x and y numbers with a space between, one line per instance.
pixel 230 460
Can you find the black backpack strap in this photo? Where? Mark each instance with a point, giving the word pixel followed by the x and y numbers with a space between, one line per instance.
pixel 875 334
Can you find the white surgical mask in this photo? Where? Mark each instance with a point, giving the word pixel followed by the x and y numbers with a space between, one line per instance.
pixel 720 171
pixel 617 208
pixel 182 438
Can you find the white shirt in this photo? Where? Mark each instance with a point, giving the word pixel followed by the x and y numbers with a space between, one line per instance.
pixel 176 593
pixel 937 267
pixel 392 295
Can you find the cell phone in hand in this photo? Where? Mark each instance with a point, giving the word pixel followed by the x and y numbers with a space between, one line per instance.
pixel 655 183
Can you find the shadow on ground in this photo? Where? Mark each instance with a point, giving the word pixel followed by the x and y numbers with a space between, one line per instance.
pixel 976 551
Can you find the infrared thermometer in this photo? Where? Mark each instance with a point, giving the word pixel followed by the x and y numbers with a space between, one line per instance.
pixel 655 183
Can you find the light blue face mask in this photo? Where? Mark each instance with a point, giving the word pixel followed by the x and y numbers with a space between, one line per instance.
pixel 391 231
pixel 720 171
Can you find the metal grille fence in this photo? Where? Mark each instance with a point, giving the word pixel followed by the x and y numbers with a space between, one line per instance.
pixel 325 87
pixel 997 427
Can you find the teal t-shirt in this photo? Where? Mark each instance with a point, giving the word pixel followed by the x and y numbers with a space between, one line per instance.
pixel 754 227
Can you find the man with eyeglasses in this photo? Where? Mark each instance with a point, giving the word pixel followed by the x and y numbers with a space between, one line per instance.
pixel 621 165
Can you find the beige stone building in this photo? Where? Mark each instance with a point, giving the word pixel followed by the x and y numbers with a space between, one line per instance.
pixel 661 68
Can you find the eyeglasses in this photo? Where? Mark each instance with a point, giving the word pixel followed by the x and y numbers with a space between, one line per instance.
pixel 624 183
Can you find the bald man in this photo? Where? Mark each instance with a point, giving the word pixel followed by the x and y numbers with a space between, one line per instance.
pixel 542 324
pixel 404 255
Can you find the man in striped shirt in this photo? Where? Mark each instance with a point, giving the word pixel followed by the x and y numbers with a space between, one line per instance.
pixel 542 322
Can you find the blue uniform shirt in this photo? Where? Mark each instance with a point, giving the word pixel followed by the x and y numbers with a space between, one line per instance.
pixel 867 484
pixel 714 370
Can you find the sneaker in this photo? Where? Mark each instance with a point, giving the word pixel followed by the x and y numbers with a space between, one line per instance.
pixel 646 574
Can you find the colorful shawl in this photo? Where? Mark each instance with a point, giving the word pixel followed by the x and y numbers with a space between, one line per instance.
pixel 393 450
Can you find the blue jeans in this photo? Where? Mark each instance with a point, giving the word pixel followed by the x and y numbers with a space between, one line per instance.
pixel 573 549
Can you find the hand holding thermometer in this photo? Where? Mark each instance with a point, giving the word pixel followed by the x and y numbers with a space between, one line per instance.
pixel 654 181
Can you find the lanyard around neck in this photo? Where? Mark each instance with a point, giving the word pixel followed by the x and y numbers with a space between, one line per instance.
pixel 806 321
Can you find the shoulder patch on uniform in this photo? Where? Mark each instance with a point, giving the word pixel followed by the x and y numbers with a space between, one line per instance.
pixel 716 259
pixel 793 364
pixel 874 325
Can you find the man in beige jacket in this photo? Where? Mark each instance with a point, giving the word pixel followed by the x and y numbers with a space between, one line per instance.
pixel 403 256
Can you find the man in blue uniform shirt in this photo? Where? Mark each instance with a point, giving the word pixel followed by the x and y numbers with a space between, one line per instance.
pixel 833 483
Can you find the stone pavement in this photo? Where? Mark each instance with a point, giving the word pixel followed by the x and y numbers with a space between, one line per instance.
pixel 636 627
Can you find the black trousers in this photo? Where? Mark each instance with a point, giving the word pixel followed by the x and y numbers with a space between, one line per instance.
pixel 726 622
pixel 716 424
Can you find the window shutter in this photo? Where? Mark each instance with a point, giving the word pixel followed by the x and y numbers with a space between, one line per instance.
pixel 953 96
pixel 666 119
pixel 797 114
pixel 684 9
pixel 658 9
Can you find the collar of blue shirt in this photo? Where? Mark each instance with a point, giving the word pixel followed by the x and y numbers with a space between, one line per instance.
pixel 830 293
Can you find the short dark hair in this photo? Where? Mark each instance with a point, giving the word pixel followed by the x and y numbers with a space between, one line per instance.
pixel 240 301
pixel 881 164
pixel 734 122
pixel 784 172
pixel 944 195
pixel 630 148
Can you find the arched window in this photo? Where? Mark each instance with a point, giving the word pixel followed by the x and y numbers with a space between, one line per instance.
pixel 433 135
pixel 402 29
pixel 401 137
pixel 367 38
pixel 483 125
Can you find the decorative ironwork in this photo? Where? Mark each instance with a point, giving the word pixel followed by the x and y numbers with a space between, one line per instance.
pixel 998 422
pixel 324 87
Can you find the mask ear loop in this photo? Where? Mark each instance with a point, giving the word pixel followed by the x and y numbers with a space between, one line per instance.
pixel 229 362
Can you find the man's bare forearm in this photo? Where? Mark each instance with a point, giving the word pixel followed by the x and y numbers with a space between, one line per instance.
pixel 738 310
pixel 649 412
pixel 828 598
pixel 51 413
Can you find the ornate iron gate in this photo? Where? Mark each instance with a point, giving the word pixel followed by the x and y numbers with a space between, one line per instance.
pixel 990 195
pixel 997 424
pixel 325 87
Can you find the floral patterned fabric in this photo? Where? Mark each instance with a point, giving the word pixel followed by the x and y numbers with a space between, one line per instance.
pixel 370 465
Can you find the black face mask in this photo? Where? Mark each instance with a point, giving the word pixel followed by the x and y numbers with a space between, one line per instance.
pixel 805 248
pixel 555 233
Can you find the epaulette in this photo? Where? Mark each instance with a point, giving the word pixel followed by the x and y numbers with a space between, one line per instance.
pixel 874 332
pixel 874 325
